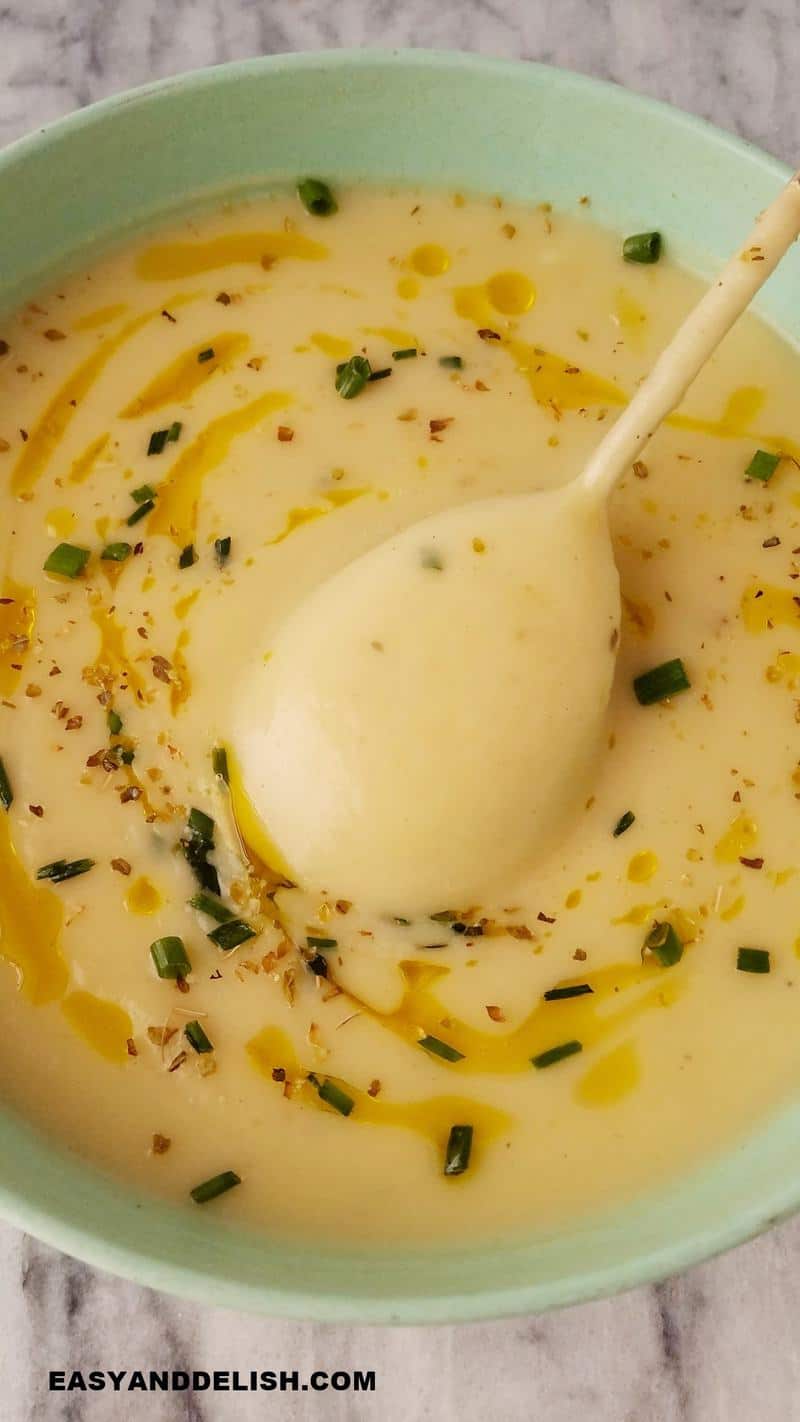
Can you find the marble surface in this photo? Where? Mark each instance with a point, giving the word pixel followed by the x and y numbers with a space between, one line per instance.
pixel 716 1345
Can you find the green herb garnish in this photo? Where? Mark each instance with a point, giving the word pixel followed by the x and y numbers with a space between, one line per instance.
pixel 623 823
pixel 217 1185
pixel 219 763
pixel 458 1150
pixel 143 493
pixel 201 825
pixel 207 354
pixel 169 956
pixel 665 945
pixel 752 960
pixel 116 552
pixel 556 1054
pixel 352 375
pixel 451 362
pixel 196 844
pixel 113 721
pixel 231 934
pixel 6 793
pixel 142 512
pixel 61 870
pixel 174 432
pixel 642 247
pixel 438 1048
pixel 329 1092
pixel 317 197
pixel 558 994
pixel 312 941
pixel 66 560
pixel 157 441
pixel 380 374
pixel 661 682
pixel 212 906
pixel 408 354
pixel 188 556
pixel 318 965
pixel 222 549
pixel 127 755
pixel 762 466
pixel 197 1037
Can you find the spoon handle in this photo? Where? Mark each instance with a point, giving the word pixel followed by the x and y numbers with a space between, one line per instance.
pixel 696 340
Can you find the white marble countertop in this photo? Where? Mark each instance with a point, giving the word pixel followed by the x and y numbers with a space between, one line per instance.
pixel 718 1344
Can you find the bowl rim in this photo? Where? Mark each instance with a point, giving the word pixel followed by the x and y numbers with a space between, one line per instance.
pixel 53 1223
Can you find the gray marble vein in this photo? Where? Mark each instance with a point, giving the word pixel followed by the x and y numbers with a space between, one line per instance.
pixel 716 1345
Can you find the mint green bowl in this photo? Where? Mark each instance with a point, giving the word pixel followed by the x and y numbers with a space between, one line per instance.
pixel 456 121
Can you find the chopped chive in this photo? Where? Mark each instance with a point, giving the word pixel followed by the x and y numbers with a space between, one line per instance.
pixel 231 934
pixel 438 1048
pixel 573 990
pixel 211 905
pixel 431 558
pixel 128 755
pixel 458 1151
pixel 332 1094
pixel 642 247
pixel 61 870
pixel 312 941
pixel 222 548
pixel 623 823
pixel 762 466
pixel 753 960
pixel 143 493
pixel 201 825
pixel 116 552
pixel 317 197
pixel 66 560
pixel 318 965
pixel 174 432
pixel 197 1037
pixel 410 353
pixel 6 793
pixel 451 362
pixel 380 374
pixel 217 1185
pixel 142 512
pixel 660 682
pixel 663 942
pixel 157 441
pixel 352 375
pixel 169 957
pixel 556 1054
pixel 219 763
pixel 113 721
pixel 188 556
pixel 444 916
pixel 207 354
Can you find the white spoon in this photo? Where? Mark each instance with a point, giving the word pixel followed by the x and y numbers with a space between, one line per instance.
pixel 430 717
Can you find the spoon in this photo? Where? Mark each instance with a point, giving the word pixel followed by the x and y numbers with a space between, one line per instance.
pixel 430 718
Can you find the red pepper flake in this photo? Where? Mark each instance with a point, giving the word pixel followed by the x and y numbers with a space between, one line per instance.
pixel 495 1013
pixel 53 334
pixel 278 1074
pixel 4 348
pixel 161 1144
pixel 162 669
pixel 137 549
pixel 169 317
pixel 36 810
pixel 131 1045
pixel 121 866
pixel 182 985
pixel 580 955
pixel 436 426
pixel 177 1061
pixel 373 1088
pixel 74 723
pixel 751 863
pixel 33 690
pixel 285 434
pixel 545 918
pixel 223 298
pixel 131 792
pixel 487 335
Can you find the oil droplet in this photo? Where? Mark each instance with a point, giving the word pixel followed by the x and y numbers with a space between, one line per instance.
pixel 573 899
pixel 764 606
pixel 560 383
pixel 184 604
pixel 60 522
pixel 511 293
pixel 143 898
pixel 639 914
pixel 295 519
pixel 408 288
pixel 30 926
pixel 610 1079
pixel 177 382
pixel 105 1027
pixel 631 316
pixel 430 260
pixel 642 866
pixel 786 668
pixel 17 621
pixel 101 317
pixel 82 467
pixel 740 837
pixel 168 260
pixel 333 346
pixel 638 615
pixel 733 910
pixel 400 339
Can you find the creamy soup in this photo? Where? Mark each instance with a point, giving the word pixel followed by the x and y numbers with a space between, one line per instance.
pixel 194 435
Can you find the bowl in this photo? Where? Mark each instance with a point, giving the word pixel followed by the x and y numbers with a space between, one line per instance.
pixel 458 121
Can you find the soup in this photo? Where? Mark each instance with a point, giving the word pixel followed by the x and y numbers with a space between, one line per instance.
pixel 194 434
